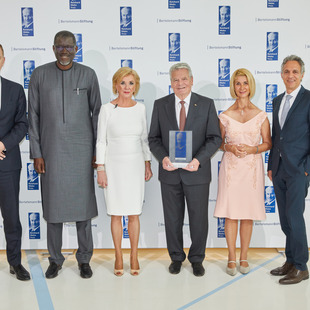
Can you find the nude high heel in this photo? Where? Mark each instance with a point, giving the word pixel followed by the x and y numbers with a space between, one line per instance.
pixel 118 272
pixel 231 271
pixel 244 270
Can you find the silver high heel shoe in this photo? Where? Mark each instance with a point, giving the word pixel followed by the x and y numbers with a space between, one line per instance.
pixel 244 270
pixel 231 271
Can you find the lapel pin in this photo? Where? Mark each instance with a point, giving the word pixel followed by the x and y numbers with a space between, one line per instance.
pixel 195 105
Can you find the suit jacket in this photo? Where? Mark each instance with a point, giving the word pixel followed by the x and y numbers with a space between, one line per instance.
pixel 293 140
pixel 202 120
pixel 13 123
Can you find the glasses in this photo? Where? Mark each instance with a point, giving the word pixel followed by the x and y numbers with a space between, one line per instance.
pixel 69 48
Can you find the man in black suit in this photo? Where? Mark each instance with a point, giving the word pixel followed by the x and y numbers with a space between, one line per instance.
pixel 191 182
pixel 289 167
pixel 13 128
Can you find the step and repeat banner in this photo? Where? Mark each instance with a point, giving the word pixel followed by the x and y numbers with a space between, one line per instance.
pixel 214 37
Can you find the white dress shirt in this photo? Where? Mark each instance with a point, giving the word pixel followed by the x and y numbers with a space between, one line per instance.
pixel 178 106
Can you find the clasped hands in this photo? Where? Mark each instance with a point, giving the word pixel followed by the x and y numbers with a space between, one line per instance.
pixel 192 166
pixel 242 150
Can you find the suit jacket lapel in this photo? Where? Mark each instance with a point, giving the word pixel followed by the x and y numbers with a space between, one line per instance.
pixel 4 94
pixel 296 101
pixel 192 110
pixel 170 109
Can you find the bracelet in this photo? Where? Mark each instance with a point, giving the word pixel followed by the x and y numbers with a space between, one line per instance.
pixel 100 168
pixel 224 147
pixel 256 150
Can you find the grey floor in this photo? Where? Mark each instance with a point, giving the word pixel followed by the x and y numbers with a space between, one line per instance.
pixel 154 288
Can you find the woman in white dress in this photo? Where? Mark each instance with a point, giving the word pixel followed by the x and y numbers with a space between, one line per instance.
pixel 123 158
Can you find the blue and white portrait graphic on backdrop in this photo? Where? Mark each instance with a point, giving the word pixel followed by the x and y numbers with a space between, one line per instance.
pixel 272 3
pixel 27 22
pixel 170 90
pixel 224 72
pixel 126 63
pixel 270 200
pixel 75 4
pixel 34 225
pixel 272 46
pixel 221 227
pixel 174 46
pixel 126 20
pixel 28 67
pixel 174 4
pixel 125 227
pixel 79 43
pixel 271 93
pixel 224 20
pixel 32 178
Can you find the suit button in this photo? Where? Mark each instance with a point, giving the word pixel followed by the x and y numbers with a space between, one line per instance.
pixel 281 138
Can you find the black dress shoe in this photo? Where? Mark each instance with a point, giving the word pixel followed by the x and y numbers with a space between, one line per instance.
pixel 85 271
pixel 283 270
pixel 295 276
pixel 20 272
pixel 175 267
pixel 52 270
pixel 198 269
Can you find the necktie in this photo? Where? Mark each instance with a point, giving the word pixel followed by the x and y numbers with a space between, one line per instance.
pixel 285 110
pixel 182 116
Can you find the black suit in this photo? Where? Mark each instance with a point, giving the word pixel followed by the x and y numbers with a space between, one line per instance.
pixel 194 186
pixel 289 159
pixel 13 128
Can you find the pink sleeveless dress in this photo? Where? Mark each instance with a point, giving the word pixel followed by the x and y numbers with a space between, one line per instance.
pixel 241 180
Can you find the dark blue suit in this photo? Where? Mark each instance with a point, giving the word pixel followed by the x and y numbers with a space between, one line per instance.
pixel 13 128
pixel 289 159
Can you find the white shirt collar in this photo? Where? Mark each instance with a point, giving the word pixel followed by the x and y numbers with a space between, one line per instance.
pixel 186 100
pixel 293 93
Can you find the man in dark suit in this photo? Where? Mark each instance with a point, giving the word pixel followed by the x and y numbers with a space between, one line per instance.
pixel 289 167
pixel 191 182
pixel 13 128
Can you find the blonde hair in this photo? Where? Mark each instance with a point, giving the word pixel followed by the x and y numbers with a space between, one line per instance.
pixel 121 73
pixel 250 78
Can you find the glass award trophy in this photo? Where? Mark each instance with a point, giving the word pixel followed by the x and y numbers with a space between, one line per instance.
pixel 180 148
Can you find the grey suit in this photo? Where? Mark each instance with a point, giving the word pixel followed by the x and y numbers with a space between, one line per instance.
pixel 13 128
pixel 194 186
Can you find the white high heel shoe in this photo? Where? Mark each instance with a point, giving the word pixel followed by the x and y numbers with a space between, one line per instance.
pixel 244 270
pixel 231 271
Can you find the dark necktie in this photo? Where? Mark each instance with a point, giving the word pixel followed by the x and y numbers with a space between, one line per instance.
pixel 182 116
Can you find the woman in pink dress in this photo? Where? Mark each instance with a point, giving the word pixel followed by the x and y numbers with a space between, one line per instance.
pixel 246 134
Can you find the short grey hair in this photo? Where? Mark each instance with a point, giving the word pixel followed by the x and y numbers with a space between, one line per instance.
pixel 293 58
pixel 181 65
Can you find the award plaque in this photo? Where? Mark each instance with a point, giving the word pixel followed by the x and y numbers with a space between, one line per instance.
pixel 180 148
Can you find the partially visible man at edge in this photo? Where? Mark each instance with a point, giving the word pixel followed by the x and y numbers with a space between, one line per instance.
pixel 289 167
pixel 13 128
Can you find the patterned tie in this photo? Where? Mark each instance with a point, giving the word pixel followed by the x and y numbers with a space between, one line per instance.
pixel 285 110
pixel 182 116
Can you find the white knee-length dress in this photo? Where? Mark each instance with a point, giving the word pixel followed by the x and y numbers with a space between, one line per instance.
pixel 122 146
